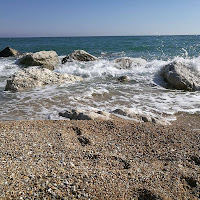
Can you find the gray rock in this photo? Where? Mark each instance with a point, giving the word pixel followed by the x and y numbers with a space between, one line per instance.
pixel 9 52
pixel 180 77
pixel 127 63
pixel 45 59
pixel 141 117
pixel 79 55
pixel 124 63
pixel 37 77
pixel 123 79
pixel 76 114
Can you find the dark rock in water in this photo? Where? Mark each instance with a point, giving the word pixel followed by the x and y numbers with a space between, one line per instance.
pixel 45 59
pixel 180 77
pixel 76 114
pixel 37 77
pixel 123 79
pixel 9 52
pixel 79 55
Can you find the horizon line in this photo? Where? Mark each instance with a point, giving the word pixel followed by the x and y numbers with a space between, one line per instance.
pixel 102 36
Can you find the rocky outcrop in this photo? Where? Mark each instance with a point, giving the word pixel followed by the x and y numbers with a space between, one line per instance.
pixel 141 117
pixel 9 52
pixel 127 63
pixel 36 77
pixel 45 59
pixel 76 114
pixel 79 55
pixel 180 77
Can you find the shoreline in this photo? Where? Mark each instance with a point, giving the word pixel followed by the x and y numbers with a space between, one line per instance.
pixel 113 159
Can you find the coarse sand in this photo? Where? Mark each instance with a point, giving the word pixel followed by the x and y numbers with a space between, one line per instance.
pixel 115 159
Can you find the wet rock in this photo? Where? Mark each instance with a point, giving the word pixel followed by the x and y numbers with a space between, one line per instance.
pixel 124 63
pixel 79 55
pixel 127 63
pixel 76 114
pixel 180 77
pixel 123 79
pixel 37 77
pixel 9 52
pixel 141 117
pixel 45 59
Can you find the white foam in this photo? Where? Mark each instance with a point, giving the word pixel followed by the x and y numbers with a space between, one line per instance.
pixel 100 90
pixel 8 67
pixel 90 69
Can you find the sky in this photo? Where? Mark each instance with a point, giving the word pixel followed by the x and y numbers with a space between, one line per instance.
pixel 51 18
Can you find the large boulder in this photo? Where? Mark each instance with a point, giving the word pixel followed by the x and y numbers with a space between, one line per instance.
pixel 76 114
pixel 9 52
pixel 180 77
pixel 141 117
pixel 36 77
pixel 127 63
pixel 79 55
pixel 45 59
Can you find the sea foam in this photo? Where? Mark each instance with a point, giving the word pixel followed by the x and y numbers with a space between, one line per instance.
pixel 100 90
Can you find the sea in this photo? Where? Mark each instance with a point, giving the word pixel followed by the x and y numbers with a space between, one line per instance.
pixel 100 89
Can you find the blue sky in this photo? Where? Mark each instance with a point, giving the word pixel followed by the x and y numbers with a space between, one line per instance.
pixel 26 18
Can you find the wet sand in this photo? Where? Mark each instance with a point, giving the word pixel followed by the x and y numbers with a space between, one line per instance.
pixel 116 159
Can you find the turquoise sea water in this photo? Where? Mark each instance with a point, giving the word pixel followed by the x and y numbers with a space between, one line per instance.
pixel 100 90
pixel 148 47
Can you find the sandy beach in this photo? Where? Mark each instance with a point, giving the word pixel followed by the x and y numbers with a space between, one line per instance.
pixel 100 100
pixel 116 159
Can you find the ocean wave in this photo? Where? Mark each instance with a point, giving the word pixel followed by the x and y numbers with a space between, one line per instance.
pixel 8 67
pixel 100 90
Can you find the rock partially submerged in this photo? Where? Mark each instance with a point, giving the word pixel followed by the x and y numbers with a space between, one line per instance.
pixel 124 63
pixel 123 79
pixel 180 77
pixel 45 59
pixel 36 77
pixel 76 114
pixel 9 52
pixel 127 63
pixel 141 117
pixel 79 55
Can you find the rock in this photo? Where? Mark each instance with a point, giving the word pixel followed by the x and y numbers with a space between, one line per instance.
pixel 127 63
pixel 79 55
pixel 9 52
pixel 76 114
pixel 180 77
pixel 141 117
pixel 45 59
pixel 123 79
pixel 124 63
pixel 36 77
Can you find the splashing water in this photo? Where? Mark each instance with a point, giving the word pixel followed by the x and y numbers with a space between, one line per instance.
pixel 100 89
